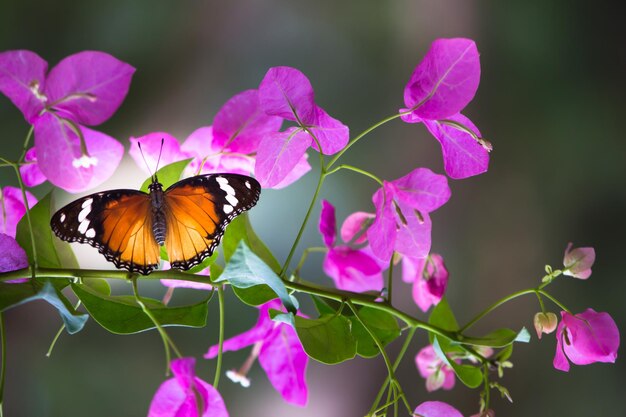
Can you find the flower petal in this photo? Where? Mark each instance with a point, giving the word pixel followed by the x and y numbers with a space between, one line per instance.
pixel 278 154
pixel 354 224
pixel 213 402
pixel 353 270
pixel 414 236
pixel 301 168
pixel 12 208
pixel 592 336
pixel 446 79
pixel 436 409
pixel 560 361
pixel 429 286
pixel 22 80
pixel 241 123
pixel 284 361
pixel 422 189
pixel 287 92
pixel 104 149
pixel 13 256
pixel 151 147
pixel 88 87
pixel 331 134
pixel 382 233
pixel 328 224
pixel 463 156
pixel 31 174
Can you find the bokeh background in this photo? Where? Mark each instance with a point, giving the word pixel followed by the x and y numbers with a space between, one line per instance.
pixel 551 100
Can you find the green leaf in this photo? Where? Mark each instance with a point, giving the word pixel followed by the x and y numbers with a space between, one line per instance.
pixel 99 285
pixel 324 306
pixel 443 317
pixel 504 354
pixel 327 339
pixel 51 251
pixel 471 376
pixel 167 175
pixel 241 229
pixel 12 295
pixel 381 323
pixel 245 270
pixel 122 315
pixel 255 296
pixel 498 338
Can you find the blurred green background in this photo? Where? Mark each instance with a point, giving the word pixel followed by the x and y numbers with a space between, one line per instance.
pixel 551 100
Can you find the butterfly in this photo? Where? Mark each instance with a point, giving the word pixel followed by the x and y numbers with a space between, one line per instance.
pixel 129 226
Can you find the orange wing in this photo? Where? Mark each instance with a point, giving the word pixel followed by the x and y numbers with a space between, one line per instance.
pixel 117 222
pixel 197 211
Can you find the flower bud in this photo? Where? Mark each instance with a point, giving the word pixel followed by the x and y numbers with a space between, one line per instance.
pixel 545 323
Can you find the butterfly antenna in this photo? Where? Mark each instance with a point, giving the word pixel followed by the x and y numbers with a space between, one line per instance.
pixel 153 176
pixel 159 158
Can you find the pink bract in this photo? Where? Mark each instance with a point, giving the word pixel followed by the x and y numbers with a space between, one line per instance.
pixel 436 373
pixel 12 208
pixel 585 338
pixel 353 225
pixel 278 155
pixel 13 256
pixel 176 397
pixel 436 409
pixel 445 81
pixel 30 171
pixel 430 279
pixel 151 147
pixel 287 92
pixel 578 261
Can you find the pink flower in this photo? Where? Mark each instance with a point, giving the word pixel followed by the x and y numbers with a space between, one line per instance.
pixel 12 208
pixel 434 370
pixel 402 222
pixel 279 351
pixel 178 283
pixel 287 93
pixel 440 87
pixel 351 269
pixel 429 277
pixel 585 338
pixel 578 261
pixel 83 89
pixel 182 395
pixel 436 409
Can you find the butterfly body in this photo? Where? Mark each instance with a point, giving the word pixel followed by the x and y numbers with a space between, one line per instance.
pixel 129 226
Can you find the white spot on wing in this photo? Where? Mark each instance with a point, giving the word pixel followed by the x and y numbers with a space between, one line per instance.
pixel 90 233
pixel 224 185
pixel 248 184
pixel 228 209
pixel 87 202
pixel 83 226
pixel 232 200
pixel 62 219
pixel 84 213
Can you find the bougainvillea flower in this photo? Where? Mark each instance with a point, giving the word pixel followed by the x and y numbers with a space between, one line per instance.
pixel 578 261
pixel 436 409
pixel 279 351
pixel 402 222
pixel 12 208
pixel 83 89
pixel 429 277
pixel 287 93
pixel 351 269
pixel 13 256
pixel 434 370
pixel 182 395
pixel 179 283
pixel 440 87
pixel 355 226
pixel 545 323
pixel 151 149
pixel 585 338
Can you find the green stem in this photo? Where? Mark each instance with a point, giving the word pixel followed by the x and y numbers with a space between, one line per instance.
pixel 218 367
pixel 305 255
pixel 355 169
pixel 56 337
pixel 304 223
pixel 3 364
pixel 167 342
pixel 397 362
pixel 487 388
pixel 390 280
pixel 26 142
pixel 554 300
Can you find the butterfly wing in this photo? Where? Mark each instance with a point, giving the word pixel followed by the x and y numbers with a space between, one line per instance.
pixel 118 223
pixel 197 211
